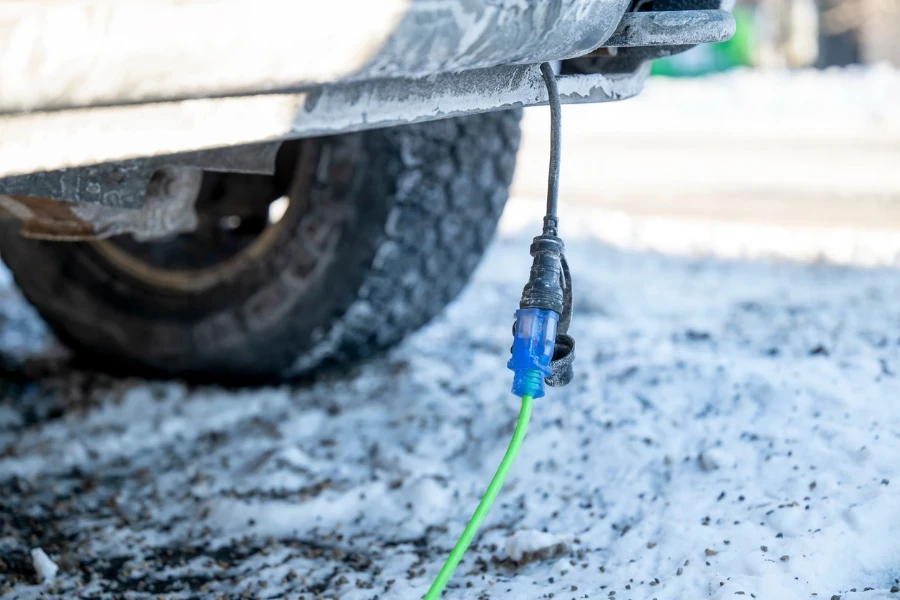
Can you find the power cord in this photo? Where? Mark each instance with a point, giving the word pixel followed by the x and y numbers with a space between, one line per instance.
pixel 542 352
pixel 555 147
pixel 485 505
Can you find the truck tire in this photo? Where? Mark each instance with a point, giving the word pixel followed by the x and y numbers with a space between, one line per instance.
pixel 382 229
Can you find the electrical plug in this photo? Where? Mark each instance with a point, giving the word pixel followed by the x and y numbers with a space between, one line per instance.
pixel 534 334
pixel 542 352
pixel 534 339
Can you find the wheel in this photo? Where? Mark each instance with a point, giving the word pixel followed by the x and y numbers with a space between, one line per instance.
pixel 356 241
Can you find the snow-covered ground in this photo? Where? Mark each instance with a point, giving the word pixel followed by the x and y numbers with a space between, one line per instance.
pixel 733 430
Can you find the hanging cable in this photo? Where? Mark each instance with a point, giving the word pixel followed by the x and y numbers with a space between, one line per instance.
pixel 541 352
pixel 551 221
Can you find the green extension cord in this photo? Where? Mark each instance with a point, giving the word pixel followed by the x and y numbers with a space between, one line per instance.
pixel 485 505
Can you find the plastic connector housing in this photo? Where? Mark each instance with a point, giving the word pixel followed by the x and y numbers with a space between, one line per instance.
pixel 532 351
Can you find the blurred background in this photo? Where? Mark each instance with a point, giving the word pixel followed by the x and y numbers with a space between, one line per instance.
pixel 784 141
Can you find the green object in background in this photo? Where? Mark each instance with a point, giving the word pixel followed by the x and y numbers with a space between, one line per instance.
pixel 486 501
pixel 714 58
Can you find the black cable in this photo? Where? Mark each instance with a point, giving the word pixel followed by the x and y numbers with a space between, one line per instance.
pixel 549 287
pixel 551 221
pixel 544 290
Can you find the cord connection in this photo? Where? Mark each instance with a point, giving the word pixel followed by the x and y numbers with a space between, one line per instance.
pixel 546 304
pixel 534 340
pixel 542 353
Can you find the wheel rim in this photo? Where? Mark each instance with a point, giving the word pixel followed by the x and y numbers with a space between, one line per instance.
pixel 239 218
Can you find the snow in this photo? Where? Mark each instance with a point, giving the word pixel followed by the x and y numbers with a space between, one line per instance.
pixel 733 430
pixel 43 566
pixel 524 544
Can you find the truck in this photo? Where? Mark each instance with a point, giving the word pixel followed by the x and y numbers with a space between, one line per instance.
pixel 258 189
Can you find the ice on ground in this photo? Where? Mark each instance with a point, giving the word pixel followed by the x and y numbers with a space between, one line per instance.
pixel 732 429
pixel 531 545
pixel 44 567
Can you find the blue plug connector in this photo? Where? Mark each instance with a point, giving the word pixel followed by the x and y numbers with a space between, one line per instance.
pixel 533 343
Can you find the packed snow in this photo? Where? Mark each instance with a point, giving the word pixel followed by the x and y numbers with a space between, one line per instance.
pixel 531 544
pixel 44 567
pixel 733 430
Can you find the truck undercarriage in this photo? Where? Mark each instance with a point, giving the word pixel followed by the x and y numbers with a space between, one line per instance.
pixel 260 188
